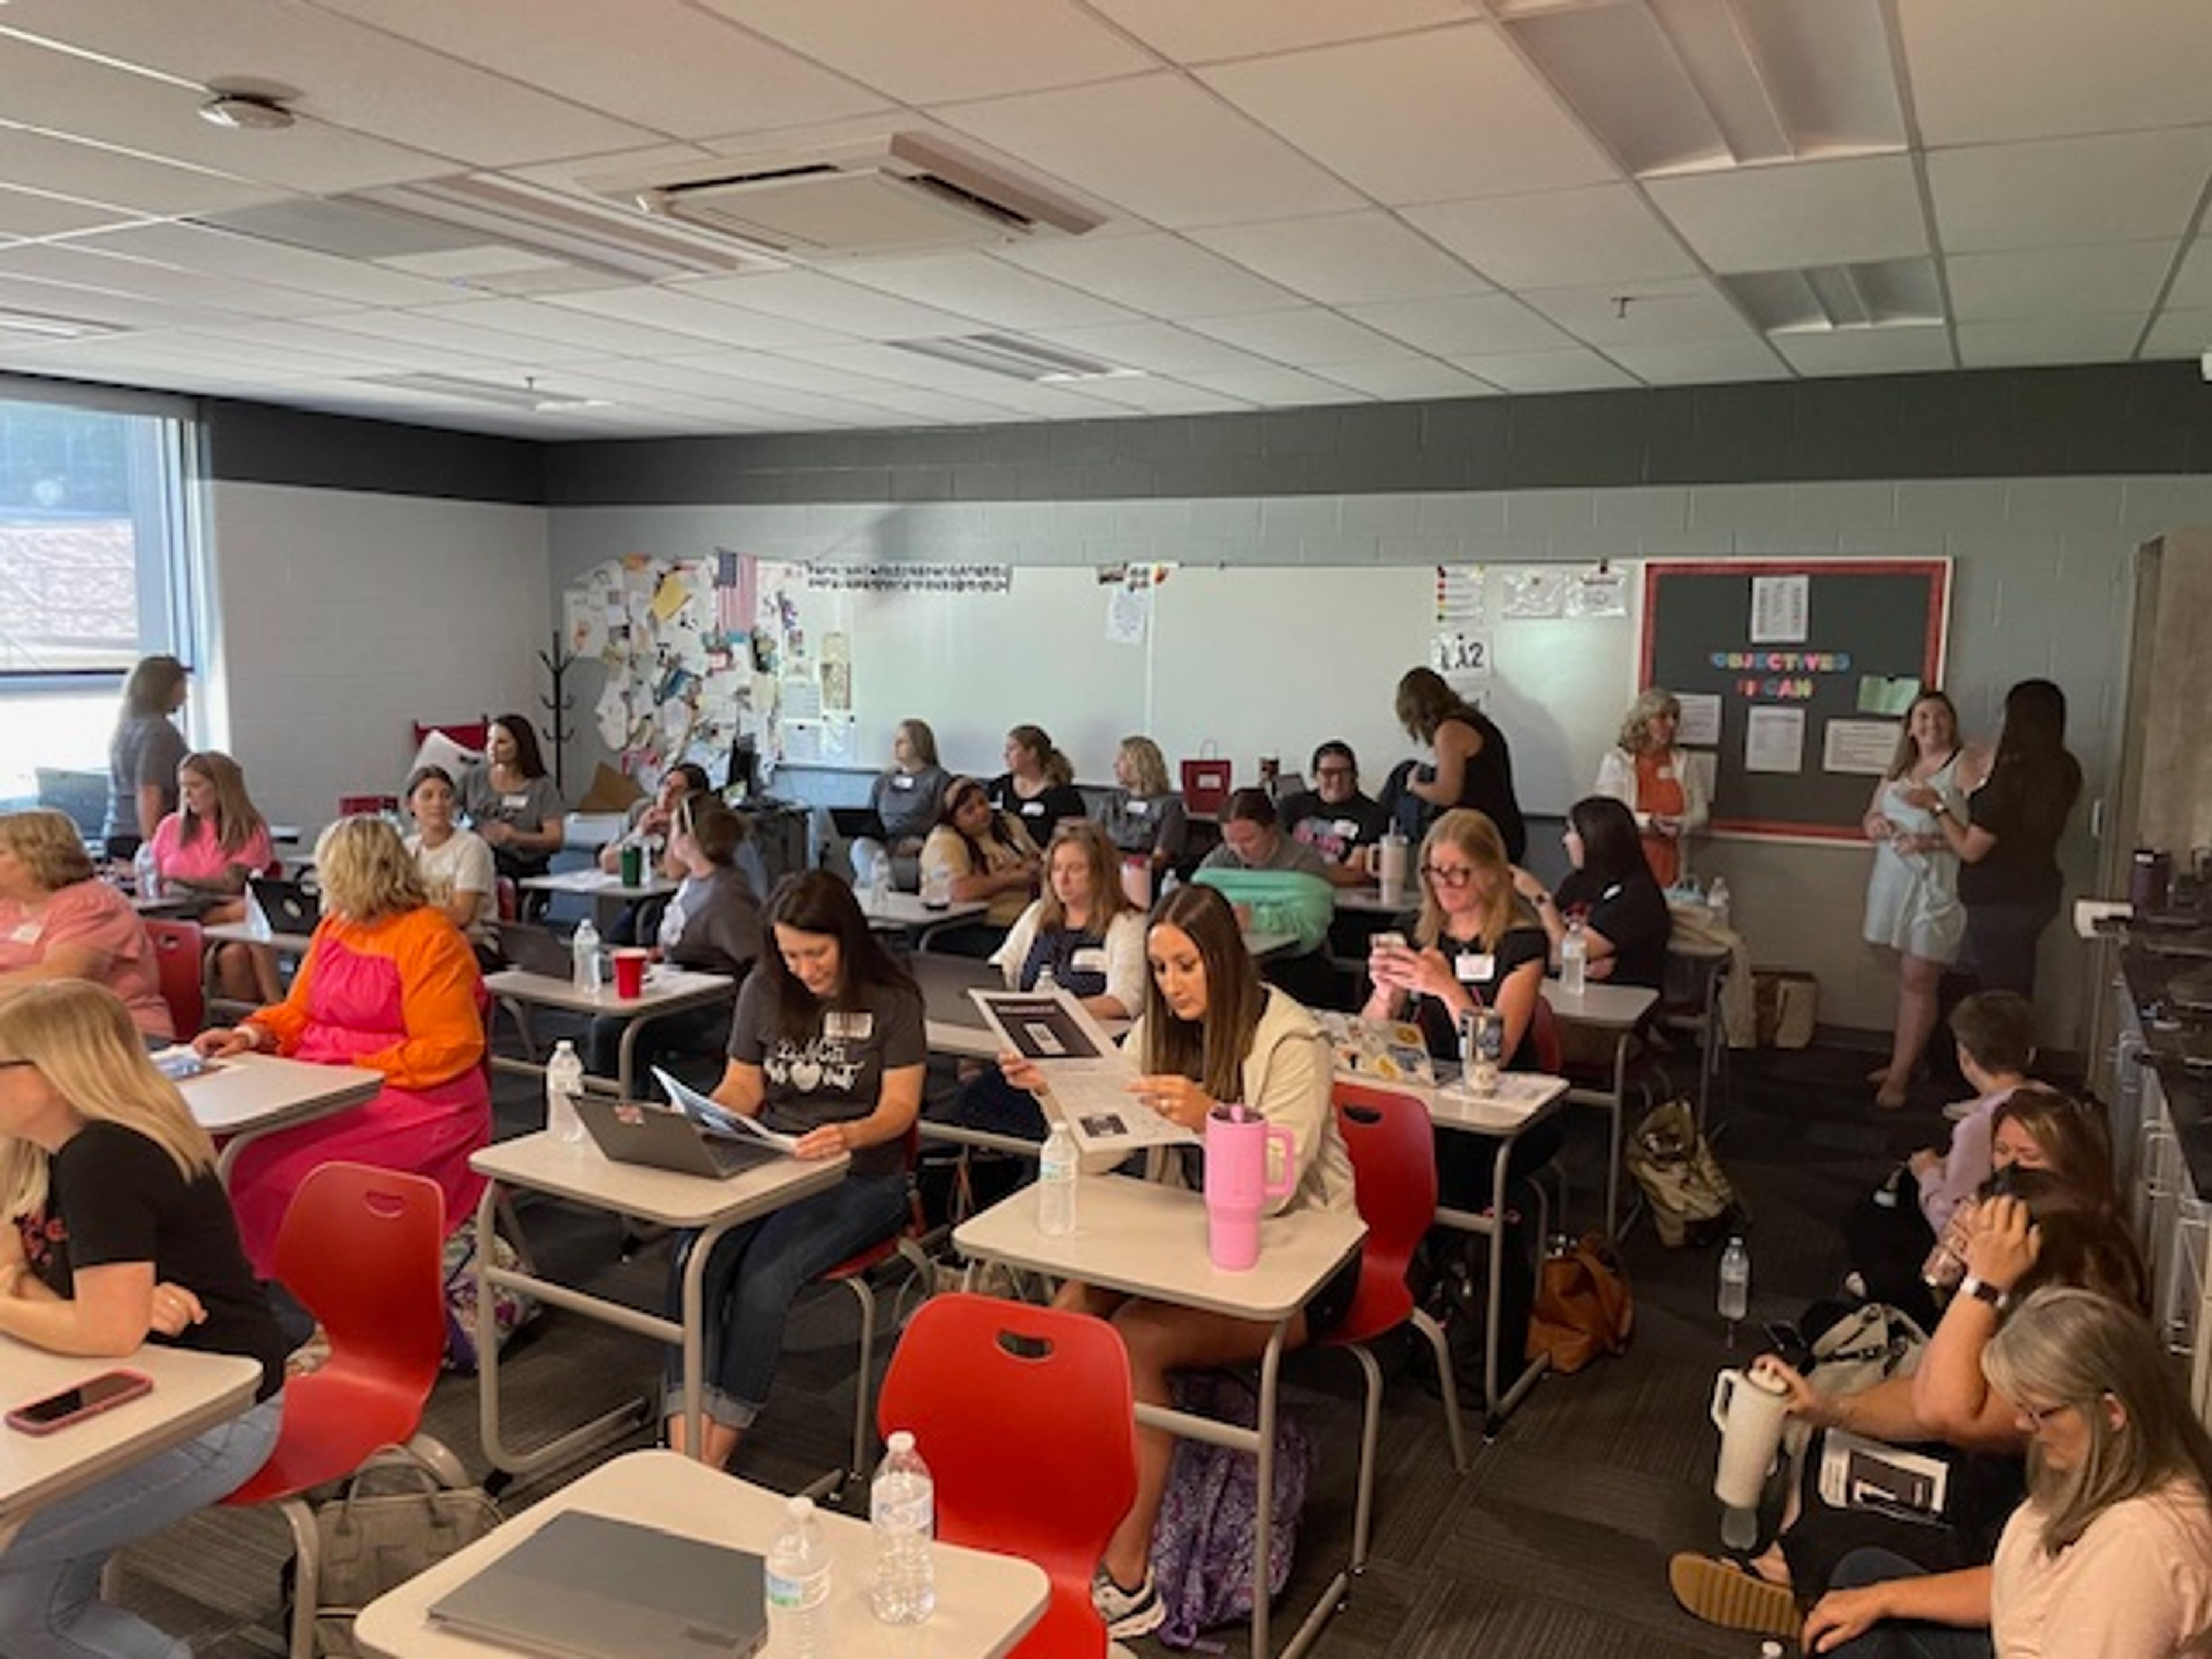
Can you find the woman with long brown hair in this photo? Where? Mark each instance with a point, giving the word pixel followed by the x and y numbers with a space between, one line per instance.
pixel 1473 765
pixel 206 849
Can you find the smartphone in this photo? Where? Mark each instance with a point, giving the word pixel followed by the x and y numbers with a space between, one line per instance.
pixel 1390 941
pixel 88 1399
pixel 1790 1347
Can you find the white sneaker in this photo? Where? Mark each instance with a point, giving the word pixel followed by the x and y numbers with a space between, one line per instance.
pixel 1132 1613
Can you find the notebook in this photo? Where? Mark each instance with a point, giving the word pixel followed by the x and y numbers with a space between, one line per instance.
pixel 854 822
pixel 588 1587
pixel 665 1138
pixel 288 906
pixel 535 949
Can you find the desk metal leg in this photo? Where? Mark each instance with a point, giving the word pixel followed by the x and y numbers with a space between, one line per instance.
pixel 1497 1407
pixel 1612 1147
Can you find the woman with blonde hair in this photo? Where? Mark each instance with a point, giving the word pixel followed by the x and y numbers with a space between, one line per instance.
pixel 206 849
pixel 1654 780
pixel 1474 766
pixel 59 920
pixel 1143 818
pixel 114 1232
pixel 389 983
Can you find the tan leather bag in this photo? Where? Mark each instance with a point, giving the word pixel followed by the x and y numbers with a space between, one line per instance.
pixel 1582 1307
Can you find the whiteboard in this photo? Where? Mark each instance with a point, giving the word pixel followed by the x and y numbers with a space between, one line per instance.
pixel 1240 660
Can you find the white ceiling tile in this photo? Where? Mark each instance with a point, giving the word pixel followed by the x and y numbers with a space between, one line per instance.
pixel 557 326
pixel 1696 362
pixel 350 77
pixel 1604 234
pixel 2057 281
pixel 73 263
pixel 1433 116
pixel 226 253
pixel 34 213
pixel 1157 147
pixel 1462 327
pixel 1309 336
pixel 1990 69
pixel 1577 370
pixel 2192 288
pixel 1867 351
pixel 2079 338
pixel 1788 216
pixel 1402 378
pixel 676 308
pixel 1157 348
pixel 1343 258
pixel 1246 28
pixel 451 329
pixel 975 285
pixel 2181 333
pixel 1654 313
pixel 97 172
pixel 1160 276
pixel 808 296
pixel 1276 387
pixel 921 55
pixel 654 64
pixel 101 306
pixel 2116 187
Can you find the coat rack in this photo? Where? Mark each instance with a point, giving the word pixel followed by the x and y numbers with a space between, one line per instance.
pixel 557 663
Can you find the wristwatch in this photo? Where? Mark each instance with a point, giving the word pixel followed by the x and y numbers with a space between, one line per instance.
pixel 1983 1291
pixel 1942 808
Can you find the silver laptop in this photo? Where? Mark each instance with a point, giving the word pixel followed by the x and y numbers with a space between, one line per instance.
pixel 587 1587
pixel 663 1138
pixel 535 949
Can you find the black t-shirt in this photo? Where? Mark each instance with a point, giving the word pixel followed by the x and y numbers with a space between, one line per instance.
pixel 113 1195
pixel 1039 813
pixel 1438 1024
pixel 1485 783
pixel 2026 811
pixel 837 1075
pixel 1632 915
pixel 1333 830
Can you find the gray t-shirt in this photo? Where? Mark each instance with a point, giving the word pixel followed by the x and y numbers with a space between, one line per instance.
pixel 144 751
pixel 907 802
pixel 1289 855
pixel 837 1074
pixel 527 808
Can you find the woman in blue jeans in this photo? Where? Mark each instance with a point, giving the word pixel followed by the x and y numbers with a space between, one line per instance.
pixel 827 1044
pixel 117 1234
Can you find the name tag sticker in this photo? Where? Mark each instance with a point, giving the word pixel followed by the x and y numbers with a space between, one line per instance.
pixel 1345 830
pixel 27 933
pixel 1089 960
pixel 1032 809
pixel 843 1025
pixel 515 803
pixel 1140 808
pixel 1474 967
pixel 901 780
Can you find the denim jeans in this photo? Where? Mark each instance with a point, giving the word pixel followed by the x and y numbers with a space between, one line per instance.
pixel 1902 1639
pixel 756 1273
pixel 50 1605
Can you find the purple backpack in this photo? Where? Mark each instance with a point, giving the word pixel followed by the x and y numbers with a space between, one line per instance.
pixel 1202 1542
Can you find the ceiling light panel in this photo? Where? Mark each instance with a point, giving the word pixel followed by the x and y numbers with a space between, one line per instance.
pixel 1899 292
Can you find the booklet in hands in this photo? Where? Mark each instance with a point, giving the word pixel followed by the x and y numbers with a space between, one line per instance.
pixel 718 1120
pixel 1087 1076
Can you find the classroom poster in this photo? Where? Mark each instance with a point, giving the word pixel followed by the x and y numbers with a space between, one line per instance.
pixel 1781 609
pixel 1700 725
pixel 1865 747
pixel 1774 739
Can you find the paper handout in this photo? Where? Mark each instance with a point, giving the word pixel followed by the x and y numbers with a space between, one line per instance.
pixel 718 1119
pixel 1087 1076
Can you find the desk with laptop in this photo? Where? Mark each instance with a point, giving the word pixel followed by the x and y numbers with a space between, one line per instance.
pixel 653 1553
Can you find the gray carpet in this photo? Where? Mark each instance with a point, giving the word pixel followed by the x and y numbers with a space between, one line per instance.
pixel 1553 1547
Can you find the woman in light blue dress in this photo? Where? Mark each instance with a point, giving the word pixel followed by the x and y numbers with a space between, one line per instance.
pixel 1912 895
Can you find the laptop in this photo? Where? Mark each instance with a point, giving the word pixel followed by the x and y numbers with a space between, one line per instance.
pixel 288 906
pixel 946 982
pixel 589 1587
pixel 535 949
pixel 663 1138
pixel 852 823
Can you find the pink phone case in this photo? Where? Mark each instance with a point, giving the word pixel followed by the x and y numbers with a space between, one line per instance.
pixel 139 1383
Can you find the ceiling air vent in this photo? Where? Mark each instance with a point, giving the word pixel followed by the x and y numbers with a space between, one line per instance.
pixel 899 193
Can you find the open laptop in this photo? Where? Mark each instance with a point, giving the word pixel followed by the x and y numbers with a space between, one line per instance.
pixel 589 1587
pixel 288 906
pixel 535 949
pixel 663 1138
pixel 852 823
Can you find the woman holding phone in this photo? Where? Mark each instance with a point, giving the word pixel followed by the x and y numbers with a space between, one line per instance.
pixel 117 1234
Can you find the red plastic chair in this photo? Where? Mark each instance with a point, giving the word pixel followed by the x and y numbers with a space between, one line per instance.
pixel 469 734
pixel 1394 1171
pixel 1029 1424
pixel 179 949
pixel 362 1249
pixel 359 806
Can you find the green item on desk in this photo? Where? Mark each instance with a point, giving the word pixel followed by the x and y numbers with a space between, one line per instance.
pixel 633 865
pixel 1280 901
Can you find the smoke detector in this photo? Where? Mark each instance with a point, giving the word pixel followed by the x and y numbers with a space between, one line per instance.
pixel 247 112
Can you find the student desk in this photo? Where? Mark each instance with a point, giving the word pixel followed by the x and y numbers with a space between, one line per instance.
pixel 667 991
pixel 255 930
pixel 249 1096
pixel 1705 964
pixel 604 888
pixel 985 1602
pixel 192 1392
pixel 579 1171
pixel 1616 1011
pixel 1367 901
pixel 895 912
pixel 1149 1240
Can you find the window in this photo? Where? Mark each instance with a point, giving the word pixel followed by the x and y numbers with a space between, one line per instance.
pixel 95 569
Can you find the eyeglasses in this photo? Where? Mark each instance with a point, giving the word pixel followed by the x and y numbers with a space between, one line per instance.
pixel 2037 1416
pixel 1333 772
pixel 1449 875
pixel 10 1065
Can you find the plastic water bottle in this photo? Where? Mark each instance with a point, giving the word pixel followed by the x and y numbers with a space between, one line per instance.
pixel 1717 901
pixel 564 1082
pixel 903 1509
pixel 796 1578
pixel 146 875
pixel 1048 983
pixel 1736 1284
pixel 584 951
pixel 1056 1184
pixel 1574 958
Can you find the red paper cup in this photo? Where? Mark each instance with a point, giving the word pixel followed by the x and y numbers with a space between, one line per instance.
pixel 630 972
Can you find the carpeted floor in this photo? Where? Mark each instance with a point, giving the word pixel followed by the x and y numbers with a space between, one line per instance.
pixel 1553 1547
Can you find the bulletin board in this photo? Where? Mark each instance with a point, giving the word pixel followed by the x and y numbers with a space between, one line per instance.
pixel 1794 677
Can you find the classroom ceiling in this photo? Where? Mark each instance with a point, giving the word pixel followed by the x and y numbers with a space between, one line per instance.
pixel 1218 204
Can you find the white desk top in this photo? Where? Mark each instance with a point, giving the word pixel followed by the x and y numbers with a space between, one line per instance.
pixel 1521 1099
pixel 256 931
pixel 665 988
pixel 1601 1006
pixel 985 1602
pixel 1263 946
pixel 1370 900
pixel 599 884
pixel 192 1392
pixel 896 912
pixel 261 1091
pixel 578 1169
pixel 1146 1239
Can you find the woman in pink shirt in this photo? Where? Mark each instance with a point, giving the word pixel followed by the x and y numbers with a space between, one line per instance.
pixel 208 846
pixel 58 921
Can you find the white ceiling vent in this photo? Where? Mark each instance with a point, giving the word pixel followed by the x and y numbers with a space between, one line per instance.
pixel 899 193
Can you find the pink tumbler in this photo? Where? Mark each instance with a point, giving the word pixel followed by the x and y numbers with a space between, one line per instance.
pixel 1237 1184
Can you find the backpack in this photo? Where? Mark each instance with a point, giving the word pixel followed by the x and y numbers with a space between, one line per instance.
pixel 1690 1199
pixel 1582 1307
pixel 1202 1542
pixel 511 1309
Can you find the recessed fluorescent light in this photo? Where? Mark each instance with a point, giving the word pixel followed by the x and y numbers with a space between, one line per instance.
pixel 1018 359
pixel 48 327
pixel 527 396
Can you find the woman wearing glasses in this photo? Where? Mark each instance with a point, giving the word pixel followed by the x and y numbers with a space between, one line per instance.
pixel 2110 1555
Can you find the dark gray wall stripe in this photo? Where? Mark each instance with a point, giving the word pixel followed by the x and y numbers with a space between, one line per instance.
pixel 261 443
